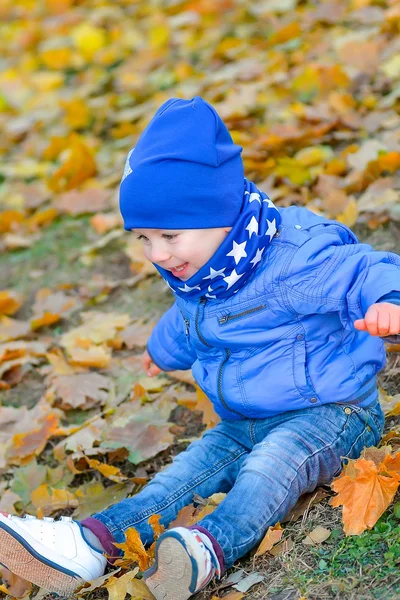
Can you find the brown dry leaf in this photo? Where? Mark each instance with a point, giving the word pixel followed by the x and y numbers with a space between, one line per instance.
pixel 134 551
pixel 365 494
pixel 272 537
pixel 103 222
pixel 282 547
pixel 362 54
pixel 50 306
pixel 10 302
pixel 210 417
pixel 139 264
pixel 24 446
pixel 83 391
pixel 137 334
pixel 317 536
pixel 12 329
pixel 89 200
pixel 304 504
pixel 14 586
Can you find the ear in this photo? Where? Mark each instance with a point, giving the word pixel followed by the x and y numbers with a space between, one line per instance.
pixel 227 229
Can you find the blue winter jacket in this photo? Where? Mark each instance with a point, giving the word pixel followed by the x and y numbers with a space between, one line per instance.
pixel 286 340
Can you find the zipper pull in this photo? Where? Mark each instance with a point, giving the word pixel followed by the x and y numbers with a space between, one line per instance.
pixel 186 327
pixel 203 300
pixel 223 319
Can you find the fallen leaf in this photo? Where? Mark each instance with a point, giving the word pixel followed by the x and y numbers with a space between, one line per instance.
pixel 134 551
pixel 271 538
pixel 317 536
pixel 84 390
pixel 10 302
pixel 364 493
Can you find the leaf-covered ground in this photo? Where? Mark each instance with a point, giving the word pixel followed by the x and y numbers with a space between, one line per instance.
pixel 311 90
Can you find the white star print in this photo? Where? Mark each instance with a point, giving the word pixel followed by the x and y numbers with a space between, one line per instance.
pixel 238 251
pixel 257 257
pixel 187 288
pixel 271 231
pixel 232 278
pixel 270 203
pixel 255 196
pixel 209 296
pixel 252 227
pixel 213 273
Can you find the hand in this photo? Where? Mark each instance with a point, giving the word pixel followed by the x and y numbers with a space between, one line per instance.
pixel 381 319
pixel 148 365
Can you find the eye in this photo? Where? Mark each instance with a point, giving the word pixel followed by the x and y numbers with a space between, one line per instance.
pixel 142 238
pixel 170 236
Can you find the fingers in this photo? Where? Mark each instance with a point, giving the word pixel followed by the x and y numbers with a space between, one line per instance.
pixel 360 324
pixel 380 320
pixel 148 365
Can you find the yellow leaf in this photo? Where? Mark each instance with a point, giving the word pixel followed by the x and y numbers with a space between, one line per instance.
pixel 88 39
pixel 98 357
pixel 48 499
pixel 349 215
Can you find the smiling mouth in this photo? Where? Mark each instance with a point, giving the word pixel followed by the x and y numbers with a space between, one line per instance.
pixel 179 267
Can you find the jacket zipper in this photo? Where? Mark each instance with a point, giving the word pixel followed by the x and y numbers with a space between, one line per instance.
pixel 202 303
pixel 219 385
pixel 226 318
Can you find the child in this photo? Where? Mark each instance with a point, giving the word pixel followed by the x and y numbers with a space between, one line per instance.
pixel 279 313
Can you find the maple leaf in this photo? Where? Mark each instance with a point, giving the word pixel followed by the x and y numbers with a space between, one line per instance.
pixel 365 493
pixel 134 551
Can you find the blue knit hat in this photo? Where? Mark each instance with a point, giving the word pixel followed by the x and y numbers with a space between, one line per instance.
pixel 185 172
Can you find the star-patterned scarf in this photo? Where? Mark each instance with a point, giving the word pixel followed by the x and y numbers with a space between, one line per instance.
pixel 234 261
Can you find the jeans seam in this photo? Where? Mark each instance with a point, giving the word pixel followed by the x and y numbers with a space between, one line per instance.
pixel 179 493
pixel 300 466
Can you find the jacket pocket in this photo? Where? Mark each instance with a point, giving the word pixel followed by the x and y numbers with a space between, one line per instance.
pixel 301 377
pixel 242 314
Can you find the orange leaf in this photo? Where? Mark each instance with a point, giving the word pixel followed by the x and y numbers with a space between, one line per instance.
pixel 10 302
pixel 364 493
pixel 79 166
pixel 271 538
pixel 156 526
pixel 133 550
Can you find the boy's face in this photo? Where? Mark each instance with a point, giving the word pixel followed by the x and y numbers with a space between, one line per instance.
pixel 183 252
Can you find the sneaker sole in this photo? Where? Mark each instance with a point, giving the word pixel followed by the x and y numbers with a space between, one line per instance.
pixel 174 573
pixel 22 560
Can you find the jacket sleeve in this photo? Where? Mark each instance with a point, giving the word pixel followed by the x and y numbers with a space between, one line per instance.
pixel 335 277
pixel 168 346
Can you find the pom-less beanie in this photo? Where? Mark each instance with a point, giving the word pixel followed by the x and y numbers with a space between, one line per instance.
pixel 185 172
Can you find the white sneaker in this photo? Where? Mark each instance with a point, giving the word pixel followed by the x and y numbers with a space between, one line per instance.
pixel 184 563
pixel 51 554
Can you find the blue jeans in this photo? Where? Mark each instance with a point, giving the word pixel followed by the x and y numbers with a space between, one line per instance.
pixel 264 465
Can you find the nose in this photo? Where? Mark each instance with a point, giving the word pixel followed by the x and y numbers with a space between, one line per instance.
pixel 158 253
